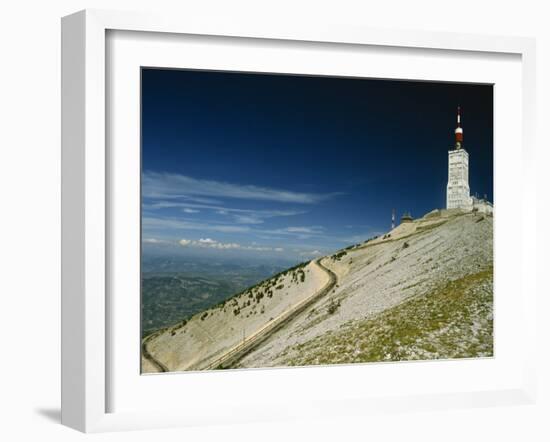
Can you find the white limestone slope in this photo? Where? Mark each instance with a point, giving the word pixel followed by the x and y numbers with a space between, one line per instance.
pixel 208 335
pixel 412 260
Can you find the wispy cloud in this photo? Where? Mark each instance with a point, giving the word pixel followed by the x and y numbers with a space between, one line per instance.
pixel 240 216
pixel 248 219
pixel 302 232
pixel 173 227
pixel 214 244
pixel 311 253
pixel 171 185
pixel 152 223
pixel 155 241
pixel 178 224
pixel 308 230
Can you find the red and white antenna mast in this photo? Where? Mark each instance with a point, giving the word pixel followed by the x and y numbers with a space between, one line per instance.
pixel 459 136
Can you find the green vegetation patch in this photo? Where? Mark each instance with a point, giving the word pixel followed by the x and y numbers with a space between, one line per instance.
pixel 338 256
pixel 454 321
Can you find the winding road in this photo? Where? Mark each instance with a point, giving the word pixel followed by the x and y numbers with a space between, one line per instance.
pixel 236 353
pixel 231 357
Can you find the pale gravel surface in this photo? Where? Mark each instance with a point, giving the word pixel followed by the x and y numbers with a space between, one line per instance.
pixel 384 273
pixel 147 367
pixel 454 321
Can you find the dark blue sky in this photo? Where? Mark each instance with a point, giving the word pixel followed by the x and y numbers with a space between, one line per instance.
pixel 256 163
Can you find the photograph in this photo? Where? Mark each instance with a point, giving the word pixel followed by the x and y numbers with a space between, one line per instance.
pixel 292 220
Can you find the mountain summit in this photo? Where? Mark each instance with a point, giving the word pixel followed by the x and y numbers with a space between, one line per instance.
pixel 424 290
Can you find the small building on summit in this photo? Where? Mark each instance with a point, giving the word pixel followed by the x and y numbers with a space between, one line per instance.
pixel 458 188
pixel 406 218
pixel 481 205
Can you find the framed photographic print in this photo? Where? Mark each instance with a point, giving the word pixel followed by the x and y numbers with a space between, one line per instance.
pixel 257 255
pixel 251 214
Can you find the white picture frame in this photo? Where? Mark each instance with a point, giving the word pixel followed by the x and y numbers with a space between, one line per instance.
pixel 86 201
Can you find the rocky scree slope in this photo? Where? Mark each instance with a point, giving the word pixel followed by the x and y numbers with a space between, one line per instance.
pixel 422 291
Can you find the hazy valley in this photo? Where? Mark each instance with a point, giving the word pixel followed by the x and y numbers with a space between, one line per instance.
pixel 174 289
